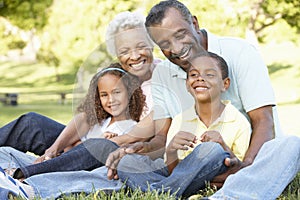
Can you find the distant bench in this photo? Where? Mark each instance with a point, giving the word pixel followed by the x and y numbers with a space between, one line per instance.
pixel 62 98
pixel 12 98
pixel 9 99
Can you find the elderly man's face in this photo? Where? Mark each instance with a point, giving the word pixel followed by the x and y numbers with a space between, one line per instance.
pixel 177 39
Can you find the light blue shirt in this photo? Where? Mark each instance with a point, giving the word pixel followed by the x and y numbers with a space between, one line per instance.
pixel 250 86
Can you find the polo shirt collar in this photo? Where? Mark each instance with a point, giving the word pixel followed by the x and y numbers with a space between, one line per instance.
pixel 213 43
pixel 226 116
pixel 177 72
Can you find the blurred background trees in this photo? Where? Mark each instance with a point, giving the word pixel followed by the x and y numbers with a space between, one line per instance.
pixel 66 34
pixel 50 48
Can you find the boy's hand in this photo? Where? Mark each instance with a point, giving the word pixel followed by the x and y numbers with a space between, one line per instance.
pixel 182 140
pixel 212 136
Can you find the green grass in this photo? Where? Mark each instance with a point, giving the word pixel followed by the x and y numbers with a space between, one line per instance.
pixel 292 192
pixel 56 111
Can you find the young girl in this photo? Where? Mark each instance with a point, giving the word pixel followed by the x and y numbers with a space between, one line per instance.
pixel 105 113
pixel 114 103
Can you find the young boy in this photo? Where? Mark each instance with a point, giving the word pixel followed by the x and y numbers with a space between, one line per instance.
pixel 211 119
pixel 199 139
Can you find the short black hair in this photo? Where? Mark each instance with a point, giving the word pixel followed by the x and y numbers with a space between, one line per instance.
pixel 157 12
pixel 220 61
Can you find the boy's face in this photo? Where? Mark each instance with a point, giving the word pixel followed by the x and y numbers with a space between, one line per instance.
pixel 204 80
pixel 178 40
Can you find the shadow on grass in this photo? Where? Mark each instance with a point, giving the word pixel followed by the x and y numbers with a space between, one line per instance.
pixel 275 67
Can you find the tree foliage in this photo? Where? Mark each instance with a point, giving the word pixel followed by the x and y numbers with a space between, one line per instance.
pixel 73 31
pixel 26 14
pixel 258 16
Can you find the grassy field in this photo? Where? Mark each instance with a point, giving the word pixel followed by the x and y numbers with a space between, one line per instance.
pixel 38 92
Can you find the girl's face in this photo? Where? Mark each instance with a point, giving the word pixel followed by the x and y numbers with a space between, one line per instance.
pixel 204 80
pixel 113 96
pixel 135 52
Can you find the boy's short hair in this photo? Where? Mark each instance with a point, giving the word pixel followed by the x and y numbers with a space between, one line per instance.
pixel 220 61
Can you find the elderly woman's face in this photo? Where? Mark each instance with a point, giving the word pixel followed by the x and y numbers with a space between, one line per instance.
pixel 134 51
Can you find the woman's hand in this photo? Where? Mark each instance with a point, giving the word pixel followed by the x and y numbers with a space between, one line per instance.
pixel 109 135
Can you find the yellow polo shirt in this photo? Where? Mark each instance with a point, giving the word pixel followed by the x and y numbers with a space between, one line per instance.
pixel 232 125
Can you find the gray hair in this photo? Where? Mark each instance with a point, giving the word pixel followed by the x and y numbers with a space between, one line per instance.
pixel 123 21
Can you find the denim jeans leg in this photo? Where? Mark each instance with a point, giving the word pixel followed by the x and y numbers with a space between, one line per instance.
pixel 4 194
pixel 11 158
pixel 52 185
pixel 275 166
pixel 30 132
pixel 139 171
pixel 204 163
pixel 88 155
pixel 190 175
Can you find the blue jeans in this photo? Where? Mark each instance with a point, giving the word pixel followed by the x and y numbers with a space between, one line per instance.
pixel 204 163
pixel 11 158
pixel 256 178
pixel 52 185
pixel 275 166
pixel 30 132
pixel 88 155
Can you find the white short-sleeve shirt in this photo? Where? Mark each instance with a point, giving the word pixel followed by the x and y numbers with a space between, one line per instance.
pixel 118 127
pixel 250 86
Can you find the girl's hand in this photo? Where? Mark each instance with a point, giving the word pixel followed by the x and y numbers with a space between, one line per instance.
pixel 46 156
pixel 109 135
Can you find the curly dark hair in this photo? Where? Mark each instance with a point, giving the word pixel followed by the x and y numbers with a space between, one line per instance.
pixel 91 104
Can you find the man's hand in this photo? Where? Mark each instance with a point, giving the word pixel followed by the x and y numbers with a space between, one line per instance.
pixel 234 165
pixel 115 157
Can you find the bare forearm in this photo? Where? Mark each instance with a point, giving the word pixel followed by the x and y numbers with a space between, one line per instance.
pixel 141 132
pixel 128 139
pixel 262 131
pixel 172 161
pixel 72 133
pixel 158 142
pixel 62 142
pixel 156 146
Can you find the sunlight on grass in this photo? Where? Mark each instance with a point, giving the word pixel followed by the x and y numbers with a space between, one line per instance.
pixel 60 113
pixel 289 118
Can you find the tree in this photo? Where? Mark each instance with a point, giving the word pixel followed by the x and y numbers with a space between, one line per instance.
pixel 26 14
pixel 21 20
pixel 261 14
